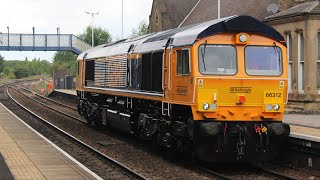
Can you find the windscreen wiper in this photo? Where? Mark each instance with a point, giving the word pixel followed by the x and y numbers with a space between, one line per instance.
pixel 203 52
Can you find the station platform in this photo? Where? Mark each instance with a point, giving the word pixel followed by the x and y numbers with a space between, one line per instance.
pixel 26 154
pixel 67 91
pixel 304 126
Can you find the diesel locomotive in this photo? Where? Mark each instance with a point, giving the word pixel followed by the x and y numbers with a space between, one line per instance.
pixel 217 89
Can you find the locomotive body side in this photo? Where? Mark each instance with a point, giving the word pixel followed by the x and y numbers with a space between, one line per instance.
pixel 222 97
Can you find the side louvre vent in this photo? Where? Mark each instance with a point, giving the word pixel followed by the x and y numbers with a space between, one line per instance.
pixel 111 72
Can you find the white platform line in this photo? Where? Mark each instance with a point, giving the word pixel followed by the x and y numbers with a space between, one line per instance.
pixel 305 137
pixel 55 146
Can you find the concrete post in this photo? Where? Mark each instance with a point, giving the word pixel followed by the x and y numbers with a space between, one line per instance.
pixel 310 57
pixel 294 36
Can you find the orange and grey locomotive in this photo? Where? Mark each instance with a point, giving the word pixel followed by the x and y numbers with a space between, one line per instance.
pixel 217 89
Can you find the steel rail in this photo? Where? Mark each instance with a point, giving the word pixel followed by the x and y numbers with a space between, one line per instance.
pixel 214 173
pixel 39 95
pixel 61 112
pixel 274 173
pixel 108 158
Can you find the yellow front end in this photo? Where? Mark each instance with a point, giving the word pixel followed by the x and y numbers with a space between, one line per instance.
pixel 237 92
pixel 240 100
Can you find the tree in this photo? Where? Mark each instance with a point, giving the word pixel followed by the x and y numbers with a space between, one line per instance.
pixel 9 72
pixel 101 36
pixel 21 72
pixel 19 69
pixel 141 30
pixel 64 56
pixel 1 63
pixel 65 60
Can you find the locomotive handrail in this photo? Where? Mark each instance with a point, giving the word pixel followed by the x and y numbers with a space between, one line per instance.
pixel 169 72
pixel 163 61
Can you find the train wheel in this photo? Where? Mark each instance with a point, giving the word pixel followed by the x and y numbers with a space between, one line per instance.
pixel 156 142
pixel 97 120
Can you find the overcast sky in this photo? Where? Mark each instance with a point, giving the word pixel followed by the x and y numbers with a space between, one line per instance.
pixel 47 15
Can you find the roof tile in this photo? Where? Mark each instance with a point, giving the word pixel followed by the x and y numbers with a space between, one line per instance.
pixel 207 10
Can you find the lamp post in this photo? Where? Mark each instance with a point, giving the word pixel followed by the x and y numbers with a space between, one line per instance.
pixel 33 38
pixel 58 33
pixel 92 15
pixel 219 7
pixel 122 17
pixel 8 37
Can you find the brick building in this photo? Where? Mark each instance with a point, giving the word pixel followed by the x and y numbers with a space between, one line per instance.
pixel 168 14
pixel 299 23
pixel 297 20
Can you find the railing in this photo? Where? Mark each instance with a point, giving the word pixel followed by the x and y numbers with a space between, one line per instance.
pixel 42 42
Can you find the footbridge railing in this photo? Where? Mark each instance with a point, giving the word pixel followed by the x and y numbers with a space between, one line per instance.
pixel 42 42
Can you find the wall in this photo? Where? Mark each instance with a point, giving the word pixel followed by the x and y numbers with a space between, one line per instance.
pixel 309 26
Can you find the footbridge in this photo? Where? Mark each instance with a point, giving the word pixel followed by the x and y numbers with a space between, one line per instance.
pixel 42 42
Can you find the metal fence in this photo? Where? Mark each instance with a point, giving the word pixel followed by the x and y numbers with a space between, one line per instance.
pixel 42 42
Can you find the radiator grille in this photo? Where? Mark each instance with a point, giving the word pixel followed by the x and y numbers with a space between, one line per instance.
pixel 111 72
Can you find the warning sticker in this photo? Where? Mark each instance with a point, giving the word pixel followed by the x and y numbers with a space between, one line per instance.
pixel 200 83
pixel 281 85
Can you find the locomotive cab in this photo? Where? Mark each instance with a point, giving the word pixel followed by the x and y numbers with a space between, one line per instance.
pixel 241 92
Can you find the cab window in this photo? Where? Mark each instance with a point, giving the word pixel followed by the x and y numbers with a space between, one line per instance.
pixel 263 60
pixel 183 62
pixel 217 59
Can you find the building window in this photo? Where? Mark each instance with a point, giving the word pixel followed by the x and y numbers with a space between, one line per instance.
pixel 318 64
pixel 289 55
pixel 183 62
pixel 300 62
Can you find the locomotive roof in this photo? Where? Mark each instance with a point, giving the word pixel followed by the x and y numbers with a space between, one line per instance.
pixel 184 36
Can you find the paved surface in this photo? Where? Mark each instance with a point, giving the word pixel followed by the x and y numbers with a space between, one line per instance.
pixel 302 120
pixel 30 156
pixel 67 91
pixel 306 133
pixel 304 126
pixel 4 170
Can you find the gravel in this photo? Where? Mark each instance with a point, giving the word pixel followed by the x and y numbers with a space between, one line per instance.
pixel 102 167
pixel 139 156
pixel 126 150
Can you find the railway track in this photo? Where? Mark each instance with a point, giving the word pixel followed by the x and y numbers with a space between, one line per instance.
pixel 128 152
pixel 258 171
pixel 122 167
pixel 50 107
pixel 28 89
pixel 250 171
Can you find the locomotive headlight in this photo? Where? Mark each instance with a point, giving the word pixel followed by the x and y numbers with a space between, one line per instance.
pixel 269 107
pixel 243 38
pixel 213 106
pixel 276 107
pixel 205 106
